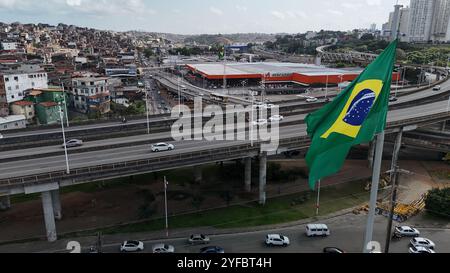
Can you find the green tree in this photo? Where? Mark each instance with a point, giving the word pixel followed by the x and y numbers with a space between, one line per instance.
pixel 438 202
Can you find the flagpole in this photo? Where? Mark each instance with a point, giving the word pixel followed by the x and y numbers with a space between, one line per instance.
pixel 374 190
pixel 318 199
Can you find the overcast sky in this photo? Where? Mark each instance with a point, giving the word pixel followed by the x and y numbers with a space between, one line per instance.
pixel 203 16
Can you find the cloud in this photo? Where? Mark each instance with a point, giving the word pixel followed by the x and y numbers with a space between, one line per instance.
pixel 335 12
pixel 278 14
pixel 353 6
pixel 73 3
pixel 98 8
pixel 216 11
pixel 241 8
pixel 373 2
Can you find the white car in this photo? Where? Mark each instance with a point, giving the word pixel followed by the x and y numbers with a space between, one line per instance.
pixel 311 100
pixel 160 147
pixel 406 231
pixel 276 118
pixel 277 240
pixel 132 246
pixel 199 239
pixel 423 242
pixel 260 122
pixel 317 230
pixel 163 248
pixel 73 143
pixel 420 249
pixel 437 88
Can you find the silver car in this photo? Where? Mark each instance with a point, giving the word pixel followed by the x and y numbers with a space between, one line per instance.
pixel 406 231
pixel 73 143
pixel 199 239
pixel 132 246
pixel 160 147
pixel 163 248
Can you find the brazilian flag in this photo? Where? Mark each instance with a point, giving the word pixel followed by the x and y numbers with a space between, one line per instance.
pixel 222 53
pixel 353 118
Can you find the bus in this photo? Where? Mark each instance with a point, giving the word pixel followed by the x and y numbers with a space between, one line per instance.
pixel 219 98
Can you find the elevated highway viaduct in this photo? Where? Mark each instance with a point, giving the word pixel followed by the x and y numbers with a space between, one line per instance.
pixel 46 174
pixel 38 137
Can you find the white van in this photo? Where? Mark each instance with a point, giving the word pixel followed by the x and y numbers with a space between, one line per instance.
pixel 317 230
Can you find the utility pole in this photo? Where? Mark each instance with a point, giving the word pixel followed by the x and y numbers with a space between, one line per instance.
pixel 318 199
pixel 395 180
pixel 65 104
pixel 165 198
pixel 224 68
pixel 61 119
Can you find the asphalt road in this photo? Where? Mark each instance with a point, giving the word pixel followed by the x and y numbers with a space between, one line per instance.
pixel 157 99
pixel 347 233
pixel 95 158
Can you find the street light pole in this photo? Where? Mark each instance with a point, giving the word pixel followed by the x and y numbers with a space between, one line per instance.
pixel 165 197
pixel 147 108
pixel 318 199
pixel 61 119
pixel 65 104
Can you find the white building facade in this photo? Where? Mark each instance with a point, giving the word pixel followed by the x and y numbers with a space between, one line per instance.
pixel 14 84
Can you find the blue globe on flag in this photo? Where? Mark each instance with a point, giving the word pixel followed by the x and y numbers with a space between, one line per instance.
pixel 360 107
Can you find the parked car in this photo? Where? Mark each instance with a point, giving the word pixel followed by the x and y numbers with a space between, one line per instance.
pixel 199 239
pixel 317 230
pixel 160 147
pixel 406 231
pixel 163 248
pixel 276 118
pixel 131 246
pixel 333 250
pixel 212 250
pixel 423 242
pixel 421 249
pixel 277 240
pixel 73 143
pixel 260 122
pixel 311 100
pixel 437 88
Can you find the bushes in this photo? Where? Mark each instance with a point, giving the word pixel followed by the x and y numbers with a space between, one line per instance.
pixel 438 202
pixel 147 209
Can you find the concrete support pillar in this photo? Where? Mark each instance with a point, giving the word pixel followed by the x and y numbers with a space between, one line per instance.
pixel 262 178
pixel 198 174
pixel 371 154
pixel 56 200
pixel 396 152
pixel 248 174
pixel 5 202
pixel 49 217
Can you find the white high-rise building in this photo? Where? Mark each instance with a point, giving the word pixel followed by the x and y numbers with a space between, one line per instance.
pixel 421 20
pixel 404 24
pixel 396 21
pixel 441 18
